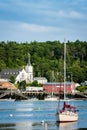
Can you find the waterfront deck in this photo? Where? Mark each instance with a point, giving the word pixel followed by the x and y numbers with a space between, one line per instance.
pixel 20 95
pixel 14 94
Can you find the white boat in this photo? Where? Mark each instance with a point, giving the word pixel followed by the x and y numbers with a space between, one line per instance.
pixel 51 98
pixel 68 112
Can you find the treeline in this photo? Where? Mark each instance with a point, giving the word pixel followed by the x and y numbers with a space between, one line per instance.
pixel 47 58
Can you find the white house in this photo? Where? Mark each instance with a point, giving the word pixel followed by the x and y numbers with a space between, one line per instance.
pixel 41 80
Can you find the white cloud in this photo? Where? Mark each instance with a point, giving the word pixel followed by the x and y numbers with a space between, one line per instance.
pixel 22 32
pixel 42 20
pixel 19 31
pixel 64 14
pixel 75 14
pixel 15 25
pixel 37 28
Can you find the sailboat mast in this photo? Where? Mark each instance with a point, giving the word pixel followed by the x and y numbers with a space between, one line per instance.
pixel 64 69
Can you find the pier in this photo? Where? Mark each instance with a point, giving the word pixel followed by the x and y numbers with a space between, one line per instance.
pixel 25 95
pixel 12 94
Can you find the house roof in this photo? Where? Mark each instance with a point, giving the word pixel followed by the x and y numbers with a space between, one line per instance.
pixel 7 85
pixel 10 70
pixel 58 83
pixel 7 73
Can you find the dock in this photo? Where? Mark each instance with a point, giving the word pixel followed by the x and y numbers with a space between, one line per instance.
pixel 25 95
pixel 13 94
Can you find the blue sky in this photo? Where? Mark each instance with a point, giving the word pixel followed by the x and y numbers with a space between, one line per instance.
pixel 43 20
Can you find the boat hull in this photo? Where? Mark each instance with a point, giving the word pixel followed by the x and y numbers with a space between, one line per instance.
pixel 67 117
pixel 51 99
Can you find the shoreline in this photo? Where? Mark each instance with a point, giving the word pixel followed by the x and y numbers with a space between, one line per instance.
pixel 75 99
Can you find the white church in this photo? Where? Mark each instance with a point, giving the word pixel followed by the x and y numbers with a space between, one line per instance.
pixel 27 75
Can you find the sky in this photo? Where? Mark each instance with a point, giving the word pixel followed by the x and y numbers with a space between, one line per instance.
pixel 43 20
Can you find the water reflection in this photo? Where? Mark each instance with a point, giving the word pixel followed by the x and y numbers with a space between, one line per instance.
pixel 20 126
pixel 29 126
pixel 67 126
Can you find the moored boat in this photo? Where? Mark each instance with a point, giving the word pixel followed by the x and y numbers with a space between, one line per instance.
pixel 68 112
pixel 51 98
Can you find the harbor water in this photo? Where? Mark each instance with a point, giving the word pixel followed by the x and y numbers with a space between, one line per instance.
pixel 38 115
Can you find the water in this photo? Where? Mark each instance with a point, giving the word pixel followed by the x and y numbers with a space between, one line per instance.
pixel 37 115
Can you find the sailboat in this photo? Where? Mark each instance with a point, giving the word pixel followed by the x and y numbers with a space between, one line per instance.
pixel 68 112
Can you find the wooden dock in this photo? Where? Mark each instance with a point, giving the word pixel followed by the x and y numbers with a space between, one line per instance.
pixel 14 94
pixel 24 95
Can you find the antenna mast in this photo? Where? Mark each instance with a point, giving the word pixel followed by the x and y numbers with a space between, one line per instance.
pixel 64 69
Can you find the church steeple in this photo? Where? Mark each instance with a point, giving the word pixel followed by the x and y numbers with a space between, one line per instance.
pixel 29 70
pixel 29 63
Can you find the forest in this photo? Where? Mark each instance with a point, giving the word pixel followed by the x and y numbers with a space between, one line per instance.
pixel 47 58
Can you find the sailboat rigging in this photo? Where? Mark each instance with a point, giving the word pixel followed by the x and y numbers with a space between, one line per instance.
pixel 68 112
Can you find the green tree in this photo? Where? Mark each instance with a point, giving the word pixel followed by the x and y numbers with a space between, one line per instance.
pixel 22 85
pixel 12 79
pixel 77 71
pixel 34 83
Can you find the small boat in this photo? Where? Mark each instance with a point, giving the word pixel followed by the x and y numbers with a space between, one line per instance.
pixel 51 98
pixel 68 112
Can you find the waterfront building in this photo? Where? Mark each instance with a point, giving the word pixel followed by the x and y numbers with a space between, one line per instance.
pixel 56 87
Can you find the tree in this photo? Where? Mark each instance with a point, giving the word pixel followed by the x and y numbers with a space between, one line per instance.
pixel 22 85
pixel 77 71
pixel 35 83
pixel 81 88
pixel 12 79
